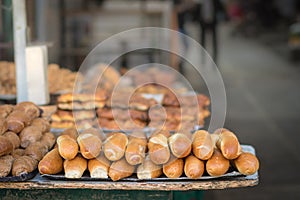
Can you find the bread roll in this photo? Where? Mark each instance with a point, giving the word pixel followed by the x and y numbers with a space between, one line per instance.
pixel 158 149
pixel 120 169
pixel 75 168
pixel 52 163
pixel 193 167
pixel 148 170
pixel 72 132
pixel 6 165
pixel 3 125
pixel 173 168
pixel 217 165
pixel 36 150
pixel 67 147
pixel 48 139
pixel 5 110
pixel 18 153
pixel 30 135
pixel 89 145
pixel 114 146
pixel 229 145
pixel 98 167
pixel 246 163
pixel 6 146
pixel 95 132
pixel 41 124
pixel 23 165
pixel 136 148
pixel 203 146
pixel 14 138
pixel 180 145
pixel 17 120
pixel 29 108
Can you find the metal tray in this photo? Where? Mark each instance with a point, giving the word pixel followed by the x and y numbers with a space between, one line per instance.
pixel 22 177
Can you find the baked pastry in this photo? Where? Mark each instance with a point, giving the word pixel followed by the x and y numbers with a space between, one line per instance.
pixel 158 149
pixel 17 121
pixel 6 146
pixel 6 165
pixel 193 167
pixel 14 138
pixel 29 135
pixel 3 125
pixel 217 165
pixel 52 163
pixel 98 167
pixel 75 168
pixel 18 153
pixel 24 165
pixel 203 146
pixel 229 145
pixel 120 169
pixel 173 168
pixel 41 124
pixel 36 150
pixel 148 170
pixel 108 124
pixel 29 108
pixel 180 145
pixel 89 144
pixel 5 110
pixel 246 163
pixel 48 139
pixel 67 147
pixel 72 132
pixel 114 146
pixel 136 148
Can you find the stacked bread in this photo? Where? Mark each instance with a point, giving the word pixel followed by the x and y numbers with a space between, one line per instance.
pixel 122 112
pixel 119 156
pixel 24 138
pixel 79 108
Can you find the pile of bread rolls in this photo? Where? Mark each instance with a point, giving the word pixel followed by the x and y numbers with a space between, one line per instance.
pixel 24 138
pixel 120 155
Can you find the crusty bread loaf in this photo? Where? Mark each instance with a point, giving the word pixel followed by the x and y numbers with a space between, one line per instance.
pixel 246 163
pixel 52 163
pixel 24 165
pixel 217 165
pixel 203 146
pixel 148 170
pixel 136 148
pixel 229 145
pixel 180 145
pixel 67 147
pixel 174 167
pixel 6 165
pixel 98 167
pixel 159 151
pixel 193 167
pixel 89 145
pixel 114 146
pixel 75 168
pixel 120 169
pixel 14 138
pixel 6 146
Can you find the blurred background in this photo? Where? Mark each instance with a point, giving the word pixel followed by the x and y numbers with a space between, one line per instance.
pixel 255 44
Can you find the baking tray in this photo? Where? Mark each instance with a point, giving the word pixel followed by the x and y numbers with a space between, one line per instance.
pixel 22 177
pixel 231 174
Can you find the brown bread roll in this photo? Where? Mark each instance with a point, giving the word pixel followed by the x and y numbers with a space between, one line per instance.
pixel 6 165
pixel 193 167
pixel 30 135
pixel 17 120
pixel 203 146
pixel 24 165
pixel 158 149
pixel 89 145
pixel 217 165
pixel 180 145
pixel 72 132
pixel 98 167
pixel 148 170
pixel 75 168
pixel 5 110
pixel 48 139
pixel 14 138
pixel 120 169
pixel 3 125
pixel 173 168
pixel 246 163
pixel 136 148
pixel 52 163
pixel 41 124
pixel 114 146
pixel 229 145
pixel 95 132
pixel 67 147
pixel 29 108
pixel 18 153
pixel 36 150
pixel 6 146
